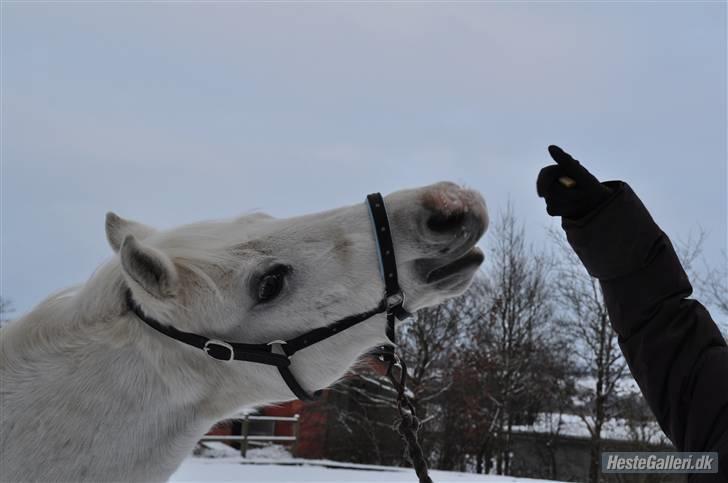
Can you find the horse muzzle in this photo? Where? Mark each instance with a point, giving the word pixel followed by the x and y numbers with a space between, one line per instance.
pixel 455 219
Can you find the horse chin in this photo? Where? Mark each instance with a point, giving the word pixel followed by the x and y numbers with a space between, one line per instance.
pixel 444 275
pixel 462 267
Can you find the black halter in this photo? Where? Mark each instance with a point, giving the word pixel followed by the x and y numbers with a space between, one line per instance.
pixel 278 352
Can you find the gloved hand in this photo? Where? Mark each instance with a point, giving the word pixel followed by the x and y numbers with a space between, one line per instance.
pixel 581 197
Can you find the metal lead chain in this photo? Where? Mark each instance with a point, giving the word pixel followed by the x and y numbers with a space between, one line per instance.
pixel 408 424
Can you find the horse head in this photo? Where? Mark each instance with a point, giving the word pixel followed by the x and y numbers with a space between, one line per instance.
pixel 257 279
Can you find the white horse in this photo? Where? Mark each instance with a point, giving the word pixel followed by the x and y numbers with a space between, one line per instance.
pixel 91 393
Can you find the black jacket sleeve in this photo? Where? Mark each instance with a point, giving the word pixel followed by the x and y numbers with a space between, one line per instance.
pixel 675 351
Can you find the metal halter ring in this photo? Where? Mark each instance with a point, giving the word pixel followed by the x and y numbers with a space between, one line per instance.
pixel 395 300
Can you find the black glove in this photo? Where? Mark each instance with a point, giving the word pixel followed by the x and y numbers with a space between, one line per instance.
pixel 583 194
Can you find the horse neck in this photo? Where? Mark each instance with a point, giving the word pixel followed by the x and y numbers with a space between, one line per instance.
pixel 154 396
pixel 91 323
pixel 97 375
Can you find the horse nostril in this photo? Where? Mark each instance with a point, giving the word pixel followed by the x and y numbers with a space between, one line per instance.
pixel 441 222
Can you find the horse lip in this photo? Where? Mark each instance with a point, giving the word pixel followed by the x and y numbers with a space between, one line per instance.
pixel 472 258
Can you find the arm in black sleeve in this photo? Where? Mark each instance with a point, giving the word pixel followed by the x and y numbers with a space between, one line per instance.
pixel 674 349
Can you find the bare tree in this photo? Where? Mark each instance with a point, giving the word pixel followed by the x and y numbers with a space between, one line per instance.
pixel 715 285
pixel 642 428
pixel 431 344
pixel 583 318
pixel 690 250
pixel 365 402
pixel 508 339
pixel 555 396
pixel 710 283
pixel 362 406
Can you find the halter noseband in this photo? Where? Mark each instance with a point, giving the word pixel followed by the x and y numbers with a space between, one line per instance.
pixel 278 352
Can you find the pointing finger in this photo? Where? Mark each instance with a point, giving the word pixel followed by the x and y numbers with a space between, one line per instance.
pixel 563 159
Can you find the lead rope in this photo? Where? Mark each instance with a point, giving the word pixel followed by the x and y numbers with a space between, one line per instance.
pixel 408 424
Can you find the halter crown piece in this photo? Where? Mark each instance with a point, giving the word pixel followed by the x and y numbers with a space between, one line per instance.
pixel 278 352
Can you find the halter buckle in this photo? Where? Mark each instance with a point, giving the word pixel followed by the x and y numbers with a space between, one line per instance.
pixel 220 350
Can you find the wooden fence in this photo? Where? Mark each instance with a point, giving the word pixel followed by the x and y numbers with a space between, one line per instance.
pixel 245 439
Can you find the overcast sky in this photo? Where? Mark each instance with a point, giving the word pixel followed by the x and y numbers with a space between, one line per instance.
pixel 173 113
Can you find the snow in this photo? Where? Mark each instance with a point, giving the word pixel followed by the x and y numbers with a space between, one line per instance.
pixel 212 449
pixel 573 425
pixel 275 465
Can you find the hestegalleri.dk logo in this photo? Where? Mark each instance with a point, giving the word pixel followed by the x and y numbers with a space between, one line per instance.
pixel 659 462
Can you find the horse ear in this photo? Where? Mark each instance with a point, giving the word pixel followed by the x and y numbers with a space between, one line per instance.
pixel 117 228
pixel 147 268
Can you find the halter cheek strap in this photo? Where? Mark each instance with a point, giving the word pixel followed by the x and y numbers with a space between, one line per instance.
pixel 393 294
pixel 278 352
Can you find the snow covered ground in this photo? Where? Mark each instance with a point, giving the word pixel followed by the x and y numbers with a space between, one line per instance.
pixel 271 465
pixel 614 428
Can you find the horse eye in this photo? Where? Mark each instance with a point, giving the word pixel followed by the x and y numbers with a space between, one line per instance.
pixel 271 284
